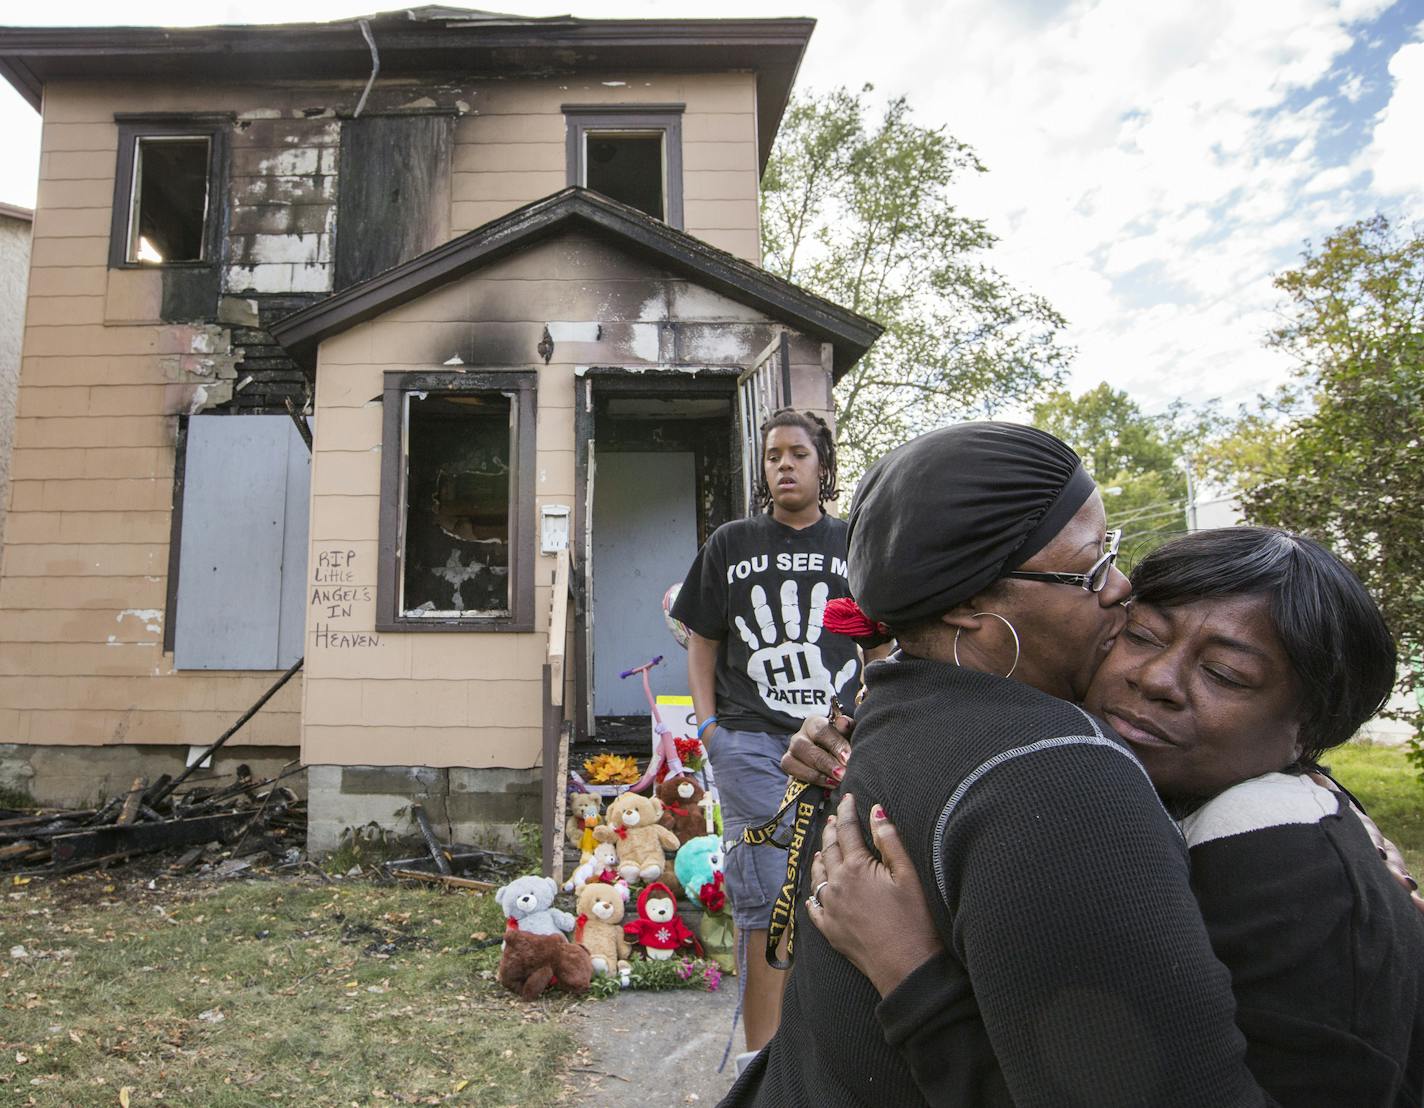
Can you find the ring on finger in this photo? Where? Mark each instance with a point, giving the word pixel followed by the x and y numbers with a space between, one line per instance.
pixel 816 892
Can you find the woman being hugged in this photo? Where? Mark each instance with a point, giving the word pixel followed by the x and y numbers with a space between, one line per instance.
pixel 759 663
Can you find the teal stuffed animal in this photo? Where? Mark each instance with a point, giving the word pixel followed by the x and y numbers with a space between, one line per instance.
pixel 698 863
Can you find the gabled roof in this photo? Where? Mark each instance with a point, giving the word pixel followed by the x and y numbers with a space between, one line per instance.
pixel 635 231
pixel 415 42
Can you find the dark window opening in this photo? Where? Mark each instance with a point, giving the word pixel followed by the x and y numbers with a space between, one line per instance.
pixel 457 502
pixel 458 497
pixel 170 199
pixel 628 168
pixel 630 152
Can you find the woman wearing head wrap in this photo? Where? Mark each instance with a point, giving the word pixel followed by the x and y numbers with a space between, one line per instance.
pixel 1086 975
pixel 1248 654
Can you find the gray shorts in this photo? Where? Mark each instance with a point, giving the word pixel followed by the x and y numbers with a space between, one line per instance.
pixel 751 783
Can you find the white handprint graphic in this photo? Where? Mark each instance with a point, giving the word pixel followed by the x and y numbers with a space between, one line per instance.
pixel 786 667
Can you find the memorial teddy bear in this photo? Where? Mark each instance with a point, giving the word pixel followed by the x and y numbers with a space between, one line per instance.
pixel 529 964
pixel 659 930
pixel 536 954
pixel 632 824
pixel 585 810
pixel 602 865
pixel 528 906
pixel 681 796
pixel 600 928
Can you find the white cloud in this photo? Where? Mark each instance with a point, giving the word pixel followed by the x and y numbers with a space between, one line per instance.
pixel 1394 152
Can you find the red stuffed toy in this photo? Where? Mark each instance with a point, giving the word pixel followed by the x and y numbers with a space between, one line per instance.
pixel 659 930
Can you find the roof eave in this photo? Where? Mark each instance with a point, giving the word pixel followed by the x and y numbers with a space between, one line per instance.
pixel 772 48
pixel 850 334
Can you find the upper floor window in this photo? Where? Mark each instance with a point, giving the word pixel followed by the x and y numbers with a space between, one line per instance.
pixel 166 192
pixel 631 153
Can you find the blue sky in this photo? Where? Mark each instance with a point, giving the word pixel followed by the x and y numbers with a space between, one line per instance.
pixel 1152 165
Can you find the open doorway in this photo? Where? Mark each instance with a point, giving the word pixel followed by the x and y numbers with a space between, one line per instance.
pixel 658 472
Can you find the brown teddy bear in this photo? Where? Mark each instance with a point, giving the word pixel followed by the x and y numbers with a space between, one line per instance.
pixel 641 840
pixel 531 963
pixel 600 927
pixel 584 811
pixel 680 796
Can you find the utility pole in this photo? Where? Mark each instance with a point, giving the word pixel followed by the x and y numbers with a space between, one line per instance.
pixel 1191 495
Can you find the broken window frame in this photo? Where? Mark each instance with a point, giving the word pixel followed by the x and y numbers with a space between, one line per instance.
pixel 520 387
pixel 582 120
pixel 133 129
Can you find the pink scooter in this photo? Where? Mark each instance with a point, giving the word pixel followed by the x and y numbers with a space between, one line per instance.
pixel 664 748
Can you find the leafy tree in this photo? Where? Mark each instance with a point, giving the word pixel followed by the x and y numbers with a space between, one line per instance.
pixel 863 215
pixel 1349 467
pixel 1136 459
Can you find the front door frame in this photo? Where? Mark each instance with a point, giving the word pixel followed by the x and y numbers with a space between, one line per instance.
pixel 659 381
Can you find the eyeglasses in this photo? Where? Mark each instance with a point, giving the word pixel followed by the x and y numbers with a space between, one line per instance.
pixel 1095 580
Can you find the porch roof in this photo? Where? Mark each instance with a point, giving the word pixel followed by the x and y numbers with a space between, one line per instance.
pixel 850 334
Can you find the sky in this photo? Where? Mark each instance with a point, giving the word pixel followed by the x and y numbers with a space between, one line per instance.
pixel 1151 165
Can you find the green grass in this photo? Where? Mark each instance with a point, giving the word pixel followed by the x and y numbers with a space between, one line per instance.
pixel 1390 789
pixel 264 992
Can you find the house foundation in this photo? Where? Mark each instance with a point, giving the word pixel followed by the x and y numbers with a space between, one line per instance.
pixel 481 806
pixel 79 776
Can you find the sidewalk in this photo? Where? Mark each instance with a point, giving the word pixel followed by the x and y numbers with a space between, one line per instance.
pixel 657 1048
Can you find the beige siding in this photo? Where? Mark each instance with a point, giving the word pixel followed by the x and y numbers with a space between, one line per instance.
pixel 83 573
pixel 474 699
pixel 510 149
pixel 85 564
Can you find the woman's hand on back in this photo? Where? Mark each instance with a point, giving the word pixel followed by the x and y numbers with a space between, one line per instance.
pixel 1390 854
pixel 873 912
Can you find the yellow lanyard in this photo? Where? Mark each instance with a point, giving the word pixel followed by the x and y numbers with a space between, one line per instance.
pixel 807 800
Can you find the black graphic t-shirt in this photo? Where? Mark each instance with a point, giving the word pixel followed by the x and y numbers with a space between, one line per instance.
pixel 760 588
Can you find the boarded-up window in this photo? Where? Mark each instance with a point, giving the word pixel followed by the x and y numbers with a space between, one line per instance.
pixel 393 192
pixel 243 549
pixel 457 501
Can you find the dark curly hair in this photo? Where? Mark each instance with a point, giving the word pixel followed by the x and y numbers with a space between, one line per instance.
pixel 821 438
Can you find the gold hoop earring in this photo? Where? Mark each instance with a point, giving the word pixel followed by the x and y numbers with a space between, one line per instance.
pixel 1012 632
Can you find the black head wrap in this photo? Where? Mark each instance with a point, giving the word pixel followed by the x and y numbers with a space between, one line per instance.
pixel 939 519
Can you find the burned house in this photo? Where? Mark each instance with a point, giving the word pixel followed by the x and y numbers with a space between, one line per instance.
pixel 501 272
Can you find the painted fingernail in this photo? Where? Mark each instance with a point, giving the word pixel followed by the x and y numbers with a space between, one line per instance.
pixel 838 773
pixel 878 812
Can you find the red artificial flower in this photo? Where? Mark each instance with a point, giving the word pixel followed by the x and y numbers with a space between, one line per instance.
pixel 713 895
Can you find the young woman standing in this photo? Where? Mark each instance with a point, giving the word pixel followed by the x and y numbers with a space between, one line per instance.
pixel 759 662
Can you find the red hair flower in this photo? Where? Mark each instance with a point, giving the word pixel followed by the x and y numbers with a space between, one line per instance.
pixel 844 617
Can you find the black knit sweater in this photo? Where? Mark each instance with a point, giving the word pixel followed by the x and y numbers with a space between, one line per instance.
pixel 1077 969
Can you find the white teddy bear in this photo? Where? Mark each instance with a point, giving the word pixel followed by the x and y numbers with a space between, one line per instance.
pixel 528 904
pixel 601 866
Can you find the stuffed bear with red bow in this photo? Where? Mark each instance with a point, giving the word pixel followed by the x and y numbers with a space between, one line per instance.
pixel 681 815
pixel 659 930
